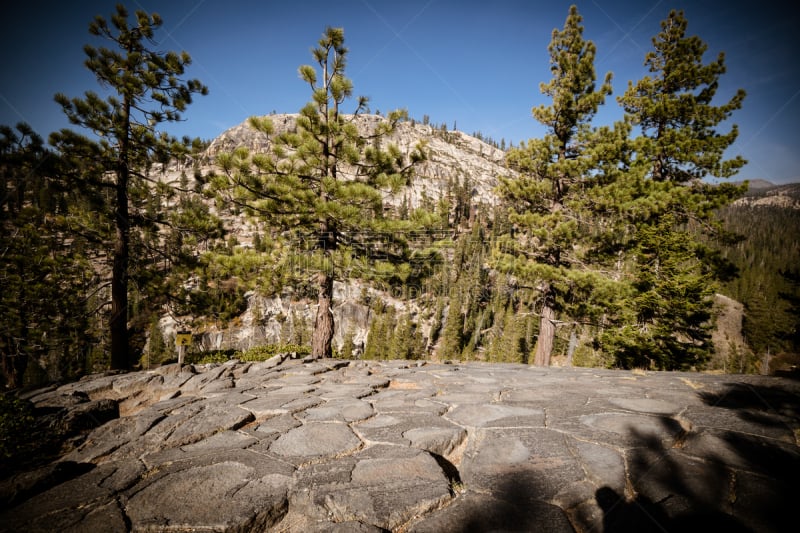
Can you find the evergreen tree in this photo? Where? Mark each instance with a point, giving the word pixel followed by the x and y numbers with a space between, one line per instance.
pixel 379 339
pixel 545 201
pixel 672 270
pixel 159 348
pixel 452 340
pixel 45 274
pixel 402 342
pixel 322 185
pixel 145 90
pixel 348 345
pixel 767 285
pixel 679 141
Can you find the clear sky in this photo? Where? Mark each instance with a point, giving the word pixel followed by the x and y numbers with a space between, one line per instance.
pixel 473 64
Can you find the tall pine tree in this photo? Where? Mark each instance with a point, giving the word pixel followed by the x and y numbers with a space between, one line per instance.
pixel 672 271
pixel 544 201
pixel 145 89
pixel 322 186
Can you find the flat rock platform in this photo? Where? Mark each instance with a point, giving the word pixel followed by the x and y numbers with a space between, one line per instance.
pixel 368 446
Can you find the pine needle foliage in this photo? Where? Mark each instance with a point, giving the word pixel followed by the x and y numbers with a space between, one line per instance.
pixel 145 89
pixel 321 187
pixel 544 248
pixel 674 272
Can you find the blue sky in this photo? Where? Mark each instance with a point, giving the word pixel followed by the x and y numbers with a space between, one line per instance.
pixel 473 64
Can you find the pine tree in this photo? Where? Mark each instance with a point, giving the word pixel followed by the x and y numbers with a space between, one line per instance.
pixel 401 344
pixel 322 185
pixel 379 339
pixel 348 345
pixel 679 142
pixel 545 201
pixel 452 340
pixel 674 271
pixel 146 90
pixel 45 275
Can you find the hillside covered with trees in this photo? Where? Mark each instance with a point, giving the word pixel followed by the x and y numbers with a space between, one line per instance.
pixel 335 232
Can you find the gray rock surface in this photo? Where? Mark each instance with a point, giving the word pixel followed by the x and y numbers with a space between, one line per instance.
pixel 397 446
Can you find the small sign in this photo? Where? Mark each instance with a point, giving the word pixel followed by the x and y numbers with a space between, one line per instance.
pixel 183 338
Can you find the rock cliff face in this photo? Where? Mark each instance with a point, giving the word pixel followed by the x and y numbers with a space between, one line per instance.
pixel 273 320
pixel 453 156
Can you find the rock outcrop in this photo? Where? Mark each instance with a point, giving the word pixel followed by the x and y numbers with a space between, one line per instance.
pixel 330 445
pixel 453 156
pixel 767 195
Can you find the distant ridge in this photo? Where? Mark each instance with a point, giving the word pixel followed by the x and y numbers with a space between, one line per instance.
pixel 762 193
pixel 760 184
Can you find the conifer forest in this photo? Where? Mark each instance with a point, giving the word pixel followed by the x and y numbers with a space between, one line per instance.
pixel 628 245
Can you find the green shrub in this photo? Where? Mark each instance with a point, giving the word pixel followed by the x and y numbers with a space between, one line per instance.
pixel 16 427
pixel 215 356
pixel 255 354
pixel 262 353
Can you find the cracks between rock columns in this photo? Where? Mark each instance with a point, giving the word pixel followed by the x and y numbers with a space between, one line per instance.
pixel 123 512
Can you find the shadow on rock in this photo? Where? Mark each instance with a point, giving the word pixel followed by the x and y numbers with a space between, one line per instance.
pixel 758 403
pixel 644 516
pixel 511 505
pixel 711 479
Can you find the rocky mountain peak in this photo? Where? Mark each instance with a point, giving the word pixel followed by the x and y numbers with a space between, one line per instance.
pixel 453 156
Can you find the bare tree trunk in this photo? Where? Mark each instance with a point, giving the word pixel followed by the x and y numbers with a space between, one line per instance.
pixel 322 339
pixel 118 324
pixel 119 285
pixel 547 333
pixel 573 345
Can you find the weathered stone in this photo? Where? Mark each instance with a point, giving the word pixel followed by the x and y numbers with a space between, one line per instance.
pixel 441 441
pixel 232 491
pixel 388 488
pixel 532 457
pixel 398 427
pixel 603 465
pixel 22 486
pixel 345 410
pixel 631 429
pixel 486 512
pixel 497 415
pixel 646 405
pixel 89 415
pixel 316 440
pixel 66 506
pixel 388 445
pixel 209 419
pixel 278 425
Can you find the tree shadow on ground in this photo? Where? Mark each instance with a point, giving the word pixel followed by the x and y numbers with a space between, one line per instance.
pixel 715 477
pixel 512 505
pixel 758 403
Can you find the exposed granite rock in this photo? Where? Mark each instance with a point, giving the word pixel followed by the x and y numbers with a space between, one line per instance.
pixel 287 445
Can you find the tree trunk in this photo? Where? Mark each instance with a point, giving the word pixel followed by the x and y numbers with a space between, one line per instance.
pixel 119 282
pixel 118 323
pixel 322 339
pixel 547 333
pixel 573 345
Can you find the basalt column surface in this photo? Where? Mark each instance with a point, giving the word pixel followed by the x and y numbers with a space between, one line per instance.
pixel 330 445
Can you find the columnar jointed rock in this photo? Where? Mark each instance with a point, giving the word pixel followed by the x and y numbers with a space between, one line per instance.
pixel 376 446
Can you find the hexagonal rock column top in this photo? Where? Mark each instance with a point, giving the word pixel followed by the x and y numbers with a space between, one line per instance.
pixel 383 486
pixel 234 490
pixel 316 440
